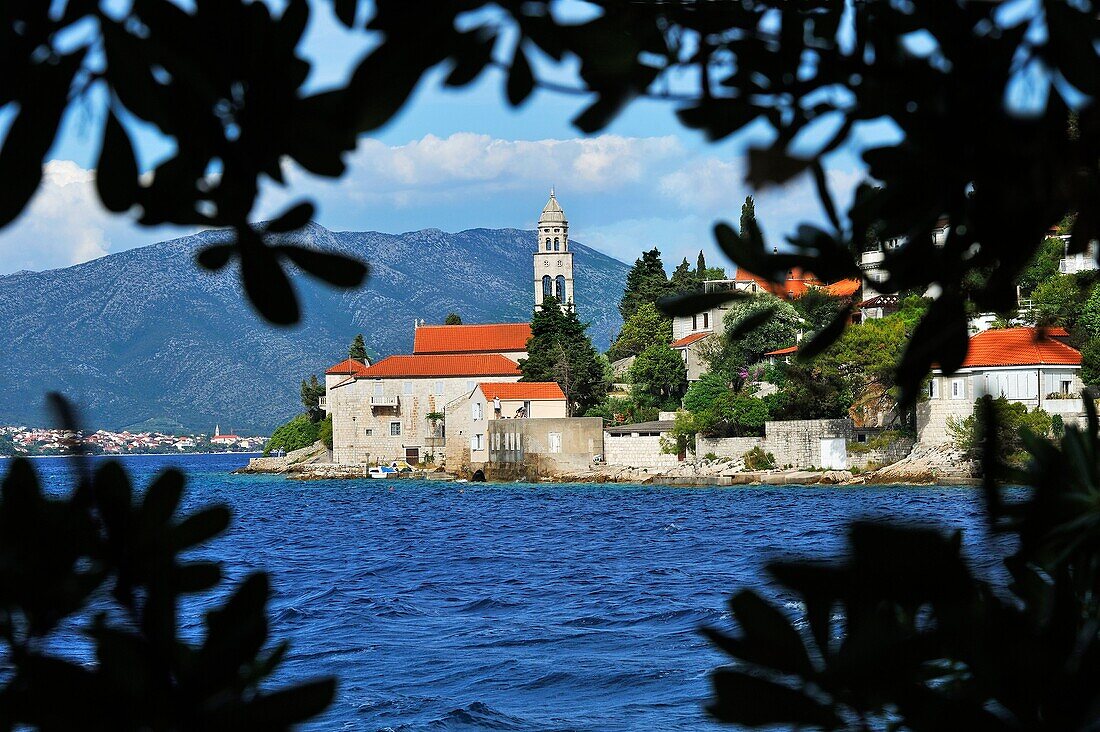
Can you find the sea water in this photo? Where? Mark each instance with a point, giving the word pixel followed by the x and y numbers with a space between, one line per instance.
pixel 447 606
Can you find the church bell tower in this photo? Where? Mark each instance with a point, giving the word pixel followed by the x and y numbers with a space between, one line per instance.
pixel 553 260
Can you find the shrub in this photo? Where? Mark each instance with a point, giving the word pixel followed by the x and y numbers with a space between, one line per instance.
pixel 1010 418
pixel 710 456
pixel 297 433
pixel 758 459
pixel 324 431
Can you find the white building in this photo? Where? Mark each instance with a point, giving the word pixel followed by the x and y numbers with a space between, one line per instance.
pixel 1022 364
pixel 468 420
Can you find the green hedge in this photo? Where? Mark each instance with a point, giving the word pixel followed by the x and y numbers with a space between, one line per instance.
pixel 295 434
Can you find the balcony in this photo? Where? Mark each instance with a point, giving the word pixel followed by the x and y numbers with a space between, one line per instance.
pixel 436 442
pixel 322 402
pixel 388 401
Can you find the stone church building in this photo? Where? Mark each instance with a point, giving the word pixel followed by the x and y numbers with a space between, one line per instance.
pixel 397 408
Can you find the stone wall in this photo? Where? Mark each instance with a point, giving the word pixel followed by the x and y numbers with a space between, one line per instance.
pixel 734 447
pixel 636 452
pixel 795 442
pixel 886 455
pixel 531 448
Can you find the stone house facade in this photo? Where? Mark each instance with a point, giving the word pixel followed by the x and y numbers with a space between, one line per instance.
pixel 1036 369
pixel 468 420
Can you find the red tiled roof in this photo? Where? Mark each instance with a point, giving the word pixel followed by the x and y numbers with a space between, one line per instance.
pixel 442 365
pixel 1018 347
pixel 688 340
pixel 797 283
pixel 488 338
pixel 348 366
pixel 782 351
pixel 523 390
pixel 1057 331
pixel 843 288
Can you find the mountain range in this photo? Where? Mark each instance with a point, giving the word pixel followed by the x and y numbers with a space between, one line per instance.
pixel 146 339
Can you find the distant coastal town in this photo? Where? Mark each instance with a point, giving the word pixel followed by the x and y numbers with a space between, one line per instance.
pixel 33 441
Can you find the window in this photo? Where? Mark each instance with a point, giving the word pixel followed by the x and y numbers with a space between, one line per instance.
pixel 548 244
pixel 378 388
pixel 933 388
pixel 476 410
pixel 560 284
pixel 555 441
pixel 958 390
pixel 395 429
pixel 547 286
pixel 470 385
pixel 477 442
pixel 861 437
pixel 557 244
pixel 695 322
pixel 1066 386
pixel 439 388
pixel 369 432
pixel 706 320
pixel 407 387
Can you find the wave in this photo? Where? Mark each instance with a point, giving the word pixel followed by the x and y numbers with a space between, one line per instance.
pixel 479 715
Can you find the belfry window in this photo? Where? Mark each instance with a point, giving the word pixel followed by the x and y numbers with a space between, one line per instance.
pixel 560 287
pixel 557 244
pixel 547 244
pixel 547 286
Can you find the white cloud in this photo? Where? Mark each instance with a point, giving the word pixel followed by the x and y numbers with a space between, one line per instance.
pixel 622 194
pixel 66 225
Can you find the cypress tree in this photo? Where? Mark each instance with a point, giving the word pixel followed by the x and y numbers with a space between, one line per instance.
pixel 646 282
pixel 683 280
pixel 748 216
pixel 701 267
pixel 559 350
pixel 358 349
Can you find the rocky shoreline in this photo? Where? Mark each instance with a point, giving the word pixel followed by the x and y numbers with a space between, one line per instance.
pixel 927 465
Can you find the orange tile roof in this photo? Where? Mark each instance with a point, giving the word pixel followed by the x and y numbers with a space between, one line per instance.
pixel 442 365
pixel 534 390
pixel 797 283
pixel 348 366
pixel 843 288
pixel 688 340
pixel 1018 347
pixel 487 338
pixel 782 351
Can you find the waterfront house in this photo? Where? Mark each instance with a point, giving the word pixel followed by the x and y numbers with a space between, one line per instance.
pixel 468 420
pixel 1027 365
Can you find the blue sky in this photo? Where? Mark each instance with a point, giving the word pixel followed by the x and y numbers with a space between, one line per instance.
pixel 463 159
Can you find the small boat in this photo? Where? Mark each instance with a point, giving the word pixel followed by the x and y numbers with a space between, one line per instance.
pixel 381 471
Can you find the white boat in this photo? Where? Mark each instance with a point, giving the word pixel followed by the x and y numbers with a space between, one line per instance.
pixel 381 471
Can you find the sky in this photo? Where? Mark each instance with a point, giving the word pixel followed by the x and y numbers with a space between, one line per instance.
pixel 462 159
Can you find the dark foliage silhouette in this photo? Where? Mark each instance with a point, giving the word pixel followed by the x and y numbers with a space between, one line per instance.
pixel 903 634
pixel 114 565
pixel 923 643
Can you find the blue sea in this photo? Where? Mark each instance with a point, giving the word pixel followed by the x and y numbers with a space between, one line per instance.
pixel 444 606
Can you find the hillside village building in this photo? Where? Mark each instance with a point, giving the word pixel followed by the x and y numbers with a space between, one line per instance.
pixel 690 331
pixel 1021 364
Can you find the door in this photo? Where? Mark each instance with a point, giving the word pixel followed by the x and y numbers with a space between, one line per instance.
pixel 412 455
pixel 555 442
pixel 834 453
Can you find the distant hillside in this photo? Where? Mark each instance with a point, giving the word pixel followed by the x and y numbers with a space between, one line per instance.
pixel 146 337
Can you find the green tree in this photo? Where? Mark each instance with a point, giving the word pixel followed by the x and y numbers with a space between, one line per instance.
pixel 811 392
pixel 452 319
pixel 1089 319
pixel 658 373
pixel 701 267
pixel 1090 362
pixel 1043 265
pixel 358 348
pixel 324 431
pixel 866 356
pixel 684 280
pixel 1057 301
pixel 748 216
pixel 644 328
pixel 560 350
pixel 297 433
pixel 311 391
pixel 734 351
pixel 817 307
pixel 706 392
pixel 646 282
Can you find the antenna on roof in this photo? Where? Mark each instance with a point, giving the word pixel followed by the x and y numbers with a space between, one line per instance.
pixel 551 190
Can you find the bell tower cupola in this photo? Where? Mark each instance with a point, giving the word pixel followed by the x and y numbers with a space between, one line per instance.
pixel 553 260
